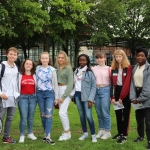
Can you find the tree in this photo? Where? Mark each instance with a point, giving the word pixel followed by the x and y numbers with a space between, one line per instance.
pixel 25 18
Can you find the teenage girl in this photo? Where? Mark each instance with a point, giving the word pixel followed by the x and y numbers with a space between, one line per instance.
pixel 139 93
pixel 27 99
pixel 65 83
pixel 102 98
pixel 120 84
pixel 85 89
pixel 47 93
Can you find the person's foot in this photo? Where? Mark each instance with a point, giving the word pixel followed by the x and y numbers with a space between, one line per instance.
pixel 31 136
pixel 44 139
pixel 100 133
pixel 94 139
pixel 84 136
pixel 49 141
pixel 118 136
pixel 107 135
pixel 21 140
pixel 65 136
pixel 8 140
pixel 139 139
pixel 122 140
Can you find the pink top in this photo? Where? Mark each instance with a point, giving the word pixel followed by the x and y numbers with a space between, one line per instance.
pixel 102 74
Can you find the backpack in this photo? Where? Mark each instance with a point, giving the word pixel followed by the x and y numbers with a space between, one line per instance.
pixel 2 73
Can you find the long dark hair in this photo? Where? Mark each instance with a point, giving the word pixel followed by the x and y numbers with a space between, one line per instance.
pixel 88 62
pixel 22 69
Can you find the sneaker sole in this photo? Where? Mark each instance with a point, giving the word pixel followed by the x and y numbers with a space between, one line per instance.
pixel 8 143
pixel 32 139
pixel 63 139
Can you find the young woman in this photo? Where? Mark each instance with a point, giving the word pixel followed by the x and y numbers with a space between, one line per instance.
pixel 47 92
pixel 9 89
pixel 102 98
pixel 27 99
pixel 139 93
pixel 120 83
pixel 85 89
pixel 65 82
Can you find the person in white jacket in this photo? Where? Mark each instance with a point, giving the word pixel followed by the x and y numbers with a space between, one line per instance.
pixel 27 99
pixel 47 93
pixel 9 93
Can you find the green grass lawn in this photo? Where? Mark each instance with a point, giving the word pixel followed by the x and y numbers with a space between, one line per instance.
pixel 73 143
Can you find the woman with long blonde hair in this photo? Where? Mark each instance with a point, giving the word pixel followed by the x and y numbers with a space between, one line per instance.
pixel 65 83
pixel 120 84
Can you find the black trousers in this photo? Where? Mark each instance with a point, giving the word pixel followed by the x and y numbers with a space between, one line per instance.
pixel 147 122
pixel 122 115
pixel 139 114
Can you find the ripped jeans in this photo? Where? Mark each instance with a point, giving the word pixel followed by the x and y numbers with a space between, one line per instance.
pixel 45 101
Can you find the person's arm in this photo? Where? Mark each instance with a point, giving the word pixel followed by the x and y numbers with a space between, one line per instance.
pixel 55 84
pixel 145 94
pixel 69 83
pixel 93 88
pixel 132 94
pixel 111 86
pixel 126 85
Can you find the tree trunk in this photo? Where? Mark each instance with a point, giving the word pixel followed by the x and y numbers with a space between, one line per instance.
pixel 24 50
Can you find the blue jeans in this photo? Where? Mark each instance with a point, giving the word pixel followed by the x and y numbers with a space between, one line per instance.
pixel 46 104
pixel 85 113
pixel 102 106
pixel 26 105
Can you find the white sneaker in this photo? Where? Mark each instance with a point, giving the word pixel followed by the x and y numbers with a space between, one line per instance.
pixel 84 136
pixel 94 140
pixel 31 136
pixel 21 140
pixel 65 136
pixel 100 133
pixel 107 135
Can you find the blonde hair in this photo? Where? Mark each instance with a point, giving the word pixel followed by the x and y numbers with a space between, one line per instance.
pixel 125 62
pixel 49 63
pixel 67 61
pixel 100 55
pixel 13 49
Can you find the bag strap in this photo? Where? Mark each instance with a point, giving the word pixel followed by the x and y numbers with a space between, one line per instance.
pixel 2 74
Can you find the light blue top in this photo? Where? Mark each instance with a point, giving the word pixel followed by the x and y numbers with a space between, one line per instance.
pixel 43 78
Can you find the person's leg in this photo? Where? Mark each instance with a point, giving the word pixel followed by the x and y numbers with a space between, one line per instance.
pixel 63 111
pixel 10 115
pixel 23 110
pixel 147 122
pixel 81 111
pixel 105 109
pixel 126 115
pixel 98 109
pixel 31 110
pixel 88 113
pixel 140 122
pixel 49 105
pixel 41 104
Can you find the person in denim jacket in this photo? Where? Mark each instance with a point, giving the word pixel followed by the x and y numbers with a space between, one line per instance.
pixel 85 89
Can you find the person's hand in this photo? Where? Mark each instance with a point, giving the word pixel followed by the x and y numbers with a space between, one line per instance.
pixel 120 101
pixel 61 101
pixel 56 101
pixel 4 97
pixel 135 101
pixel 89 104
pixel 113 102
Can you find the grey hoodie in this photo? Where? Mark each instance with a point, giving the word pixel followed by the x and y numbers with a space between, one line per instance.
pixel 144 97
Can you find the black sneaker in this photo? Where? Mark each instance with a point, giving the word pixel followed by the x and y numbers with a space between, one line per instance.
pixel 118 136
pixel 50 141
pixel 8 140
pixel 139 139
pixel 122 140
pixel 44 139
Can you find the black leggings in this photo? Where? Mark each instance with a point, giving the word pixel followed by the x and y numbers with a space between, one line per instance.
pixel 122 115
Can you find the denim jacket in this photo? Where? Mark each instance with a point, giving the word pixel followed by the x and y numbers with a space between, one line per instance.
pixel 88 87
pixel 144 97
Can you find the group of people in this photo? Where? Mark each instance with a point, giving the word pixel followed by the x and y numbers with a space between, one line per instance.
pixel 100 86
